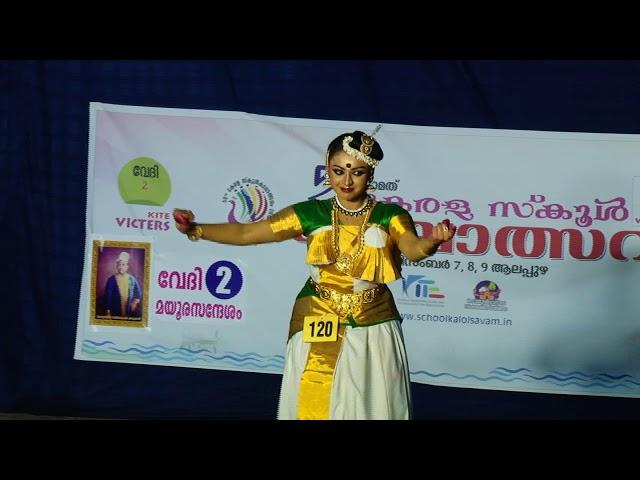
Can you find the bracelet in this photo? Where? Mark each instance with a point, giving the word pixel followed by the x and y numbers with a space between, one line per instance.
pixel 197 233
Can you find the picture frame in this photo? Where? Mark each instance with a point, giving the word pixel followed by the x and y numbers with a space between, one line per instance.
pixel 120 283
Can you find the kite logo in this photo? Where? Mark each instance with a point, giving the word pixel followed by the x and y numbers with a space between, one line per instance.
pixel 419 286
pixel 420 290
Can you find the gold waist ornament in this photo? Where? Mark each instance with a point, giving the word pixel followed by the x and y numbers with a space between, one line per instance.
pixel 345 304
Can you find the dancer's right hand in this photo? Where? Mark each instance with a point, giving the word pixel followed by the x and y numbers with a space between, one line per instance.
pixel 183 219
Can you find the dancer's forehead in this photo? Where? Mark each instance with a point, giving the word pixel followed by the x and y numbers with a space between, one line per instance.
pixel 344 160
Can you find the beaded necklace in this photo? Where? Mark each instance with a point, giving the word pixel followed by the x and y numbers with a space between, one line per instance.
pixel 353 213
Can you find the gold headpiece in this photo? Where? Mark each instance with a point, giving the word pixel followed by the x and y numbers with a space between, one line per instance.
pixel 365 147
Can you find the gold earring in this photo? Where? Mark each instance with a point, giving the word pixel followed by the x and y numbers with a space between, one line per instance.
pixel 326 179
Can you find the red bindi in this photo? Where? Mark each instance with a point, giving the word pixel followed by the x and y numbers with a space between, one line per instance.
pixel 348 165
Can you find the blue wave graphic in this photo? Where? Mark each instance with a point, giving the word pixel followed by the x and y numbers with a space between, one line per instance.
pixel 163 353
pixel 162 347
pixel 99 343
pixel 606 375
pixel 590 385
pixel 501 369
pixel 464 377
pixel 585 381
pixel 164 358
pixel 264 356
pixel 142 349
pixel 559 380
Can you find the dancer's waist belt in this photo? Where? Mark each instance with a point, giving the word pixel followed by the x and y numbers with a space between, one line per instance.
pixel 345 304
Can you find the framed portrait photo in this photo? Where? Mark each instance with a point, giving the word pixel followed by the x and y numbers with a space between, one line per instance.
pixel 120 283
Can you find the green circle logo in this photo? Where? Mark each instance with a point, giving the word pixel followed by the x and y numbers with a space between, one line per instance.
pixel 144 181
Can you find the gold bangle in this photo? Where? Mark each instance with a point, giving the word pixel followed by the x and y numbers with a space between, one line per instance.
pixel 196 233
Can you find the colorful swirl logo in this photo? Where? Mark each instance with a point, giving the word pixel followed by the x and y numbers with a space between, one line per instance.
pixel 486 290
pixel 250 200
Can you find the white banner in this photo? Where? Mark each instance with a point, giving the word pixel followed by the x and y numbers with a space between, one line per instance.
pixel 537 292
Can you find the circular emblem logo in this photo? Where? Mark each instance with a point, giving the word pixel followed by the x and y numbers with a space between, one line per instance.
pixel 486 290
pixel 144 181
pixel 224 279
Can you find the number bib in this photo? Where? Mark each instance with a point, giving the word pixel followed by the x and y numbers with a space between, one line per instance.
pixel 320 329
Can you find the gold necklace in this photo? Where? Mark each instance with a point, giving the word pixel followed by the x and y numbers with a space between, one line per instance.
pixel 344 262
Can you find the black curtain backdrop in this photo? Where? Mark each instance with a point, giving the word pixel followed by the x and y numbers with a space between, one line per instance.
pixel 44 140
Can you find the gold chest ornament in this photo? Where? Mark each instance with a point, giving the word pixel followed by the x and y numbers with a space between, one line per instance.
pixel 344 261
